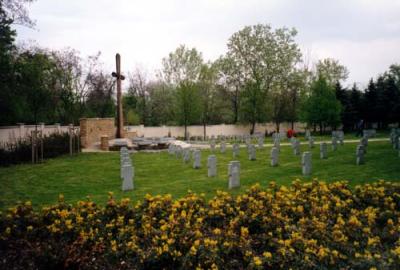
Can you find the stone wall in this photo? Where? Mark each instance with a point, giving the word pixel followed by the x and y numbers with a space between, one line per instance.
pixel 93 128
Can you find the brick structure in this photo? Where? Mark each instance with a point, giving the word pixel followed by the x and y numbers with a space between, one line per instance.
pixel 92 129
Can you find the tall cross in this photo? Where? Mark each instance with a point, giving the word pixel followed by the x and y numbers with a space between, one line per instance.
pixel 120 77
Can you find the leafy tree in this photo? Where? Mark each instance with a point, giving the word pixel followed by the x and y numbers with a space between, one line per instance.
pixel 16 11
pixel 187 104
pixel 100 101
pixel 355 109
pixel 331 70
pixel 252 105
pixel 264 57
pixel 161 103
pixel 181 69
pixel 139 88
pixel 370 97
pixel 207 90
pixel 35 81
pixel 230 82
pixel 9 101
pixel 321 108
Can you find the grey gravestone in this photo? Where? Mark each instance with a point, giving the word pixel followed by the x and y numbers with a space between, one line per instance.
pixel 252 152
pixel 277 143
pixel 186 155
pixel 274 157
pixel 260 142
pixel 296 147
pixel 234 174
pixel 212 166
pixel 360 154
pixel 212 145
pixel 311 142
pixel 306 163
pixel 248 140
pixel 334 143
pixel 223 147
pixel 308 134
pixel 127 176
pixel 197 159
pixel 364 142
pixel 236 149
pixel 323 150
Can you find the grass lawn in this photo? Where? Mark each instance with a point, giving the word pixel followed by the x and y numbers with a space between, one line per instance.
pixel 96 174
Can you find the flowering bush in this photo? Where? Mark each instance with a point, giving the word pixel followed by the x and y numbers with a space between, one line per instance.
pixel 305 226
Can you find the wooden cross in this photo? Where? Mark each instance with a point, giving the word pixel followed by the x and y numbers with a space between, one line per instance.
pixel 120 77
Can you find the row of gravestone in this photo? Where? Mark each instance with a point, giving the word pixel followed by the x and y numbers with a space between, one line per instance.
pixel 127 169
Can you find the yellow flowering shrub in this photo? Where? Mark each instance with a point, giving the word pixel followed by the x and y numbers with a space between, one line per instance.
pixel 305 226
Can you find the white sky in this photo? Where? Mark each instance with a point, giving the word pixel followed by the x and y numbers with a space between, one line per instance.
pixel 364 35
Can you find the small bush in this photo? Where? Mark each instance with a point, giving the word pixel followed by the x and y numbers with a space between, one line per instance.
pixel 304 226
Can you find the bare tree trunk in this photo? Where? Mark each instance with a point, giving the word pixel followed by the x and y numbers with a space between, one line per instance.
pixel 204 130
pixel 320 128
pixel 185 132
pixel 253 125
pixel 292 125
pixel 277 126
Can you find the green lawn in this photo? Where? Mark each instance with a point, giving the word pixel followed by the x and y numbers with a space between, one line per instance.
pixel 95 174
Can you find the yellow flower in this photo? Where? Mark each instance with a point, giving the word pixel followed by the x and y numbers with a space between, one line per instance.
pixel 29 228
pixel 217 231
pixel 267 255
pixel 257 261
pixel 244 232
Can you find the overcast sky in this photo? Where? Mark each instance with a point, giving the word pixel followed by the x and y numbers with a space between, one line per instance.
pixel 364 35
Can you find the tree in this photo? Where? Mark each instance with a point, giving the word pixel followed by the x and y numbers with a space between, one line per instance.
pixel 9 100
pixel 138 87
pixel 181 69
pixel 264 58
pixel 232 80
pixel 321 108
pixel 35 80
pixel 370 97
pixel 187 104
pixel 16 11
pixel 207 91
pixel 331 70
pixel 161 103
pixel 100 101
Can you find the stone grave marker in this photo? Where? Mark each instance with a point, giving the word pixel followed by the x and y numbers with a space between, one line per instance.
pixel 277 143
pixel 234 174
pixel 323 150
pixel 260 142
pixel 334 143
pixel 212 145
pixel 223 147
pixel 360 154
pixel 311 142
pixel 252 152
pixel 364 142
pixel 212 166
pixel 186 155
pixel 197 159
pixel 127 177
pixel 296 147
pixel 274 157
pixel 306 163
pixel 235 149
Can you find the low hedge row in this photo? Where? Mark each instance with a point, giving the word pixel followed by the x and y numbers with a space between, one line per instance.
pixel 305 226
pixel 54 145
